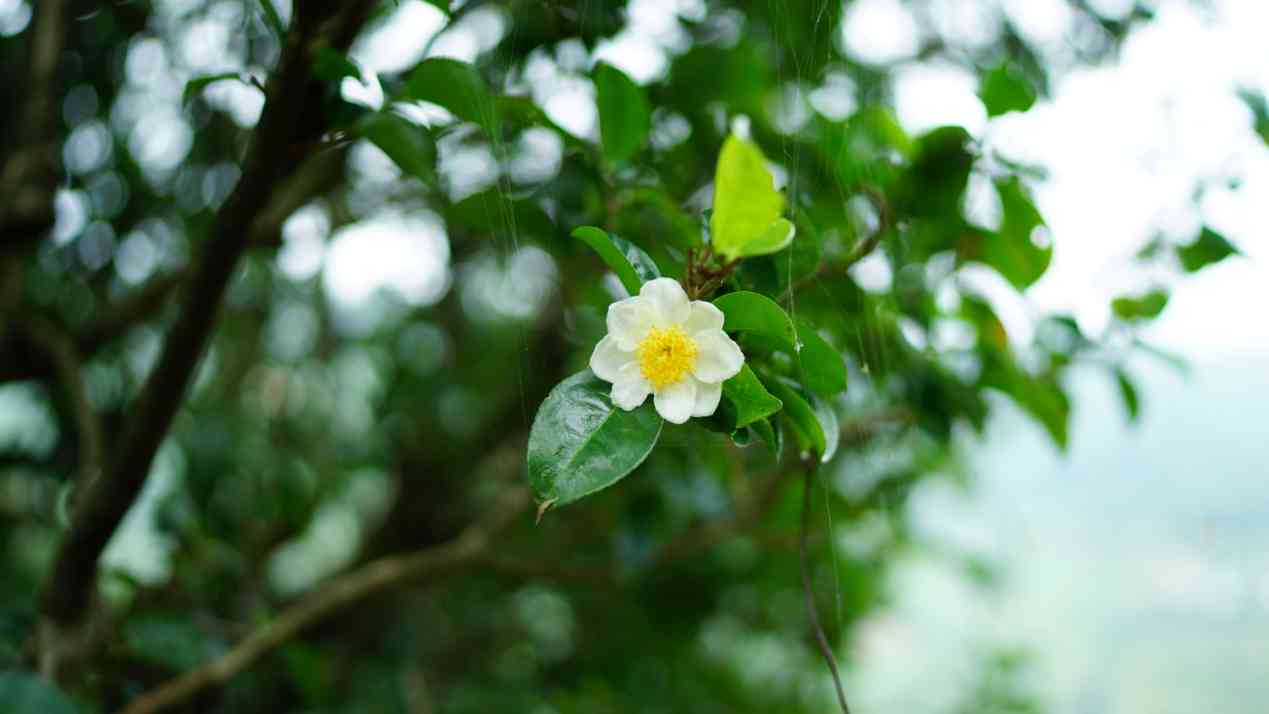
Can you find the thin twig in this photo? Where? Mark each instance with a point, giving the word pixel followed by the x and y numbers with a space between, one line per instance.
pixel 60 350
pixel 861 250
pixel 344 591
pixel 808 590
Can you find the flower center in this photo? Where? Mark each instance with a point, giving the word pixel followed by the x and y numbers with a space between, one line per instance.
pixel 666 355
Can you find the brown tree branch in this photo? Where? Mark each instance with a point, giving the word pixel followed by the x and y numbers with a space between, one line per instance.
pixel 292 116
pixel 808 590
pixel 344 591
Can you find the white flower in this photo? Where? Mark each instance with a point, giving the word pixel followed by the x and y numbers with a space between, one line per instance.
pixel 663 344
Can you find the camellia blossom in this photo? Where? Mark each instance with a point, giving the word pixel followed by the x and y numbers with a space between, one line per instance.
pixel 663 344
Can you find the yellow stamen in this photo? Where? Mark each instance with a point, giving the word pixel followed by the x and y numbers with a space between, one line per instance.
pixel 666 355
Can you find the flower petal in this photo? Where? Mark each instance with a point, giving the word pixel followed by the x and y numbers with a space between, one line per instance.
pixel 675 402
pixel 630 388
pixel 669 299
pixel 707 398
pixel 629 321
pixel 704 316
pixel 718 358
pixel 608 358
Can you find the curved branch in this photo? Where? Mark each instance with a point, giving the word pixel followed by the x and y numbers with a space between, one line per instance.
pixel 808 591
pixel 371 579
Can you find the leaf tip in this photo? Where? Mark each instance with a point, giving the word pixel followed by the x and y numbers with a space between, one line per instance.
pixel 543 508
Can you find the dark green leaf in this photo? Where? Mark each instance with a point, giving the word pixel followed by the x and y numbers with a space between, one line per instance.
pixel 442 5
pixel 1210 247
pixel 804 418
pixel 753 312
pixel 333 66
pixel 1128 392
pixel 408 145
pixel 1141 307
pixel 822 368
pixel 272 18
pixel 581 443
pixel 770 433
pixel 644 266
pixel 1005 89
pixel 1013 250
pixel 170 641
pixel 618 257
pixel 1255 102
pixel 29 693
pixel 746 401
pixel 934 184
pixel 457 87
pixel 624 115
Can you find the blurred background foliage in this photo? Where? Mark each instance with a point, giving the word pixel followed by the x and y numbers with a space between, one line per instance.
pixel 410 293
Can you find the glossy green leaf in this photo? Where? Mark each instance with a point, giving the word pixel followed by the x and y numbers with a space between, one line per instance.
pixel 333 66
pixel 632 266
pixel 1014 250
pixel 272 18
pixel 746 401
pixel 457 87
pixel 408 145
pixel 804 418
pixel 773 239
pixel 746 203
pixel 581 443
pixel 770 433
pixel 1210 247
pixel 821 366
pixel 624 114
pixel 753 312
pixel 1005 89
pixel 29 693
pixel 1140 307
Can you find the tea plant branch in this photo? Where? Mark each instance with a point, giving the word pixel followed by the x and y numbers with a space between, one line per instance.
pixel 344 591
pixel 292 115
pixel 808 590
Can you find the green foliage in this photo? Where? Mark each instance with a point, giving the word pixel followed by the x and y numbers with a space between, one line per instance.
pixel 581 443
pixel 28 693
pixel 272 18
pixel 632 266
pixel 746 401
pixel 332 65
pixel 456 86
pixel 1259 108
pixel 624 114
pixel 746 219
pixel 1014 250
pixel 1135 308
pixel 1005 89
pixel 819 363
pixel 758 314
pixel 408 145
pixel 195 86
pixel 1128 393
pixel 1208 248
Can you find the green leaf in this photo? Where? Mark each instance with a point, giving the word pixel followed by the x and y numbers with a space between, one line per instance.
pixel 1141 307
pixel 457 87
pixel 1013 250
pixel 442 5
pixel 773 239
pixel 170 641
pixel 822 368
pixel 632 266
pixel 581 443
pixel 272 18
pixel 746 401
pixel 1004 89
pixel 624 115
pixel 805 418
pixel 29 693
pixel 770 434
pixel 1128 393
pixel 1255 102
pixel 746 204
pixel 753 312
pixel 1210 247
pixel 408 145
pixel 332 66
pixel 198 84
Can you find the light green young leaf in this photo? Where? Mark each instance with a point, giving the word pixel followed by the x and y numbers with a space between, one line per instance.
pixel 457 87
pixel 581 443
pixel 624 115
pixel 632 266
pixel 746 204
pixel 753 312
